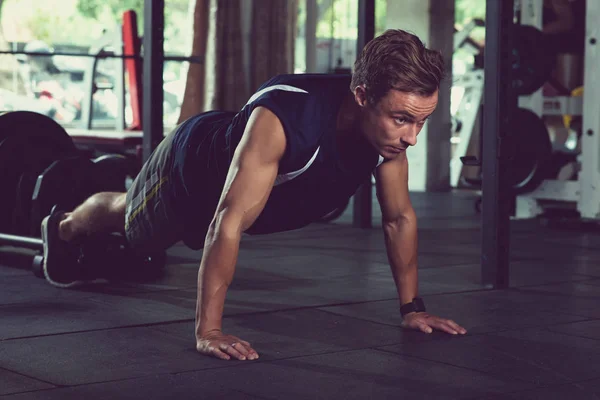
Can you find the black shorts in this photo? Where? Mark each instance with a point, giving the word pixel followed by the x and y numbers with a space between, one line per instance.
pixel 150 221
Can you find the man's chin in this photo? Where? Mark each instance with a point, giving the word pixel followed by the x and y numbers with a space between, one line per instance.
pixel 389 153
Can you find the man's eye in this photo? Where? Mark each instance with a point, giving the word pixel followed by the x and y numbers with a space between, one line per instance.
pixel 401 120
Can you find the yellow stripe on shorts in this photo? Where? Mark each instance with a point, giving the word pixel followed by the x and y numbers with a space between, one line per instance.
pixel 148 197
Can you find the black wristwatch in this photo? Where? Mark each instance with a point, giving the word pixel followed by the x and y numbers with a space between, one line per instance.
pixel 417 305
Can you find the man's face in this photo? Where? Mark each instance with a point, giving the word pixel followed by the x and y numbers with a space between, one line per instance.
pixel 392 125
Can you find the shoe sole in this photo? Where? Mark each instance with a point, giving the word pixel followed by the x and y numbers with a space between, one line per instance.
pixel 44 232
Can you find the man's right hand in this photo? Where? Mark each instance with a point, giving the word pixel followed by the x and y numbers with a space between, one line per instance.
pixel 217 344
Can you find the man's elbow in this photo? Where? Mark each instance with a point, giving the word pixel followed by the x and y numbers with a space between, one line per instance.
pixel 399 221
pixel 226 225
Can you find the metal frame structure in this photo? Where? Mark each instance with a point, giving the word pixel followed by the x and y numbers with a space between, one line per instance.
pixel 589 178
pixel 152 75
pixel 499 102
pixel 531 14
pixel 584 192
pixel 114 40
pixel 362 212
pixel 468 111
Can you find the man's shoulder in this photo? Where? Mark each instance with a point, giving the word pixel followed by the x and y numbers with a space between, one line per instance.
pixel 306 82
pixel 301 93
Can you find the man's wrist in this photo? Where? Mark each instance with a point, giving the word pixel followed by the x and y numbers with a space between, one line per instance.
pixel 416 305
pixel 205 330
pixel 206 325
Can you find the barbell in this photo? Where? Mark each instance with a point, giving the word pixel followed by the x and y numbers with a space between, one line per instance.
pixel 40 168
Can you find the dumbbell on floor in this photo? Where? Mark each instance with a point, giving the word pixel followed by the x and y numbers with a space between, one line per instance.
pixel 105 256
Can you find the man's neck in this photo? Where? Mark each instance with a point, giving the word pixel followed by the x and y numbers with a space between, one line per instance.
pixel 350 140
pixel 348 114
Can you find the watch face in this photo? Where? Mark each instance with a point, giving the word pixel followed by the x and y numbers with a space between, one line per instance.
pixel 418 305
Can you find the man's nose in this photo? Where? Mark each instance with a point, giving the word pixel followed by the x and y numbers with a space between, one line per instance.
pixel 410 138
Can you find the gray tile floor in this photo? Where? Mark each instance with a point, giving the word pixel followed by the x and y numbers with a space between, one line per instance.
pixel 320 307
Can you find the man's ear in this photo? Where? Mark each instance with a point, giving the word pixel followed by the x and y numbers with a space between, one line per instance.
pixel 360 95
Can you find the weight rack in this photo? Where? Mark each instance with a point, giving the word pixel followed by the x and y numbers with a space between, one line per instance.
pixel 584 192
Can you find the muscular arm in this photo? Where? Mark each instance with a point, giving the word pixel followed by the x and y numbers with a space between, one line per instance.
pixel 400 228
pixel 399 225
pixel 249 181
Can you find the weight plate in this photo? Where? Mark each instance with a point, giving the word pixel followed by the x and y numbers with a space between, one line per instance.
pixel 29 143
pixel 529 148
pixel 533 59
pixel 66 183
pixel 111 172
pixel 26 123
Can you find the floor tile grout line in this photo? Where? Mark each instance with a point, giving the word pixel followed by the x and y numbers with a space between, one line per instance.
pixel 377 348
pixel 529 290
pixel 266 312
pixel 550 386
pixel 142 291
pixel 533 326
pixel 188 371
pixel 571 335
pixel 149 325
pixel 586 319
pixel 233 315
pixel 499 377
pixel 116 380
pixel 581 279
pixel 91 295
pixel 581 282
pixel 28 377
pixel 253 396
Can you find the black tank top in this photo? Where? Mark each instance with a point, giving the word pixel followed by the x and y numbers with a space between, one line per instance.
pixel 312 179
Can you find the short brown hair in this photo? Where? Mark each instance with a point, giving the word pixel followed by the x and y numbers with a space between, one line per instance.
pixel 397 60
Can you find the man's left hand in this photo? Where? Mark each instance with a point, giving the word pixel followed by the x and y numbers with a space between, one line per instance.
pixel 427 323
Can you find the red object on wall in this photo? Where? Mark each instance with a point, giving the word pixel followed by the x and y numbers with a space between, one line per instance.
pixel 132 45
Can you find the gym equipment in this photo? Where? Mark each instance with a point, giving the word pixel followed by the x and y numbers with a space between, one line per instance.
pixel 532 161
pixel 29 143
pixel 40 168
pixel 112 172
pixel 28 243
pixel 532 67
pixel 529 151
pixel 103 256
pixel 532 61
pixel 66 183
pixel 579 191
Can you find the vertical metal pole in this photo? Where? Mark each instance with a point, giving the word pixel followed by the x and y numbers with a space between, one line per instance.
pixel 154 22
pixel 499 100
pixel 88 100
pixel 589 177
pixel 120 81
pixel 366 23
pixel 531 14
pixel 362 207
pixel 312 14
pixel 439 127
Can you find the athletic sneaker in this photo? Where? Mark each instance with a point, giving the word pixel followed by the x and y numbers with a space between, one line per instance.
pixel 61 264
